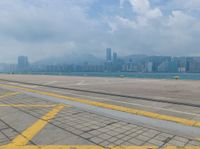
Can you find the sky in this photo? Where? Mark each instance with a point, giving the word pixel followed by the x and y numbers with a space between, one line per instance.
pixel 47 28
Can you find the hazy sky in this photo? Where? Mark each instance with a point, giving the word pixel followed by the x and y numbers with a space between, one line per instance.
pixel 43 28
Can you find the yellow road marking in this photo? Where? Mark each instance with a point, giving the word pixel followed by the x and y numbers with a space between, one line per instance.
pixel 30 132
pixel 78 147
pixel 198 139
pixel 20 141
pixel 187 147
pixel 9 94
pixel 113 107
pixel 26 105
pixel 93 147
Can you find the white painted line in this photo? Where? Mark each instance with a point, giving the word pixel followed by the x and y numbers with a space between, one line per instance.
pixel 81 83
pixel 23 85
pixel 49 83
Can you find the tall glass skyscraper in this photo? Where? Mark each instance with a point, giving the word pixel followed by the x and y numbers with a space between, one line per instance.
pixel 114 57
pixel 23 62
pixel 108 54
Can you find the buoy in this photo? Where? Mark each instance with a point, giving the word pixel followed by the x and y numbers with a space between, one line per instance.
pixel 176 77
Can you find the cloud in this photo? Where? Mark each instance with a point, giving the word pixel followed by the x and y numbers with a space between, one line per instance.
pixel 42 28
pixel 154 32
pixel 142 7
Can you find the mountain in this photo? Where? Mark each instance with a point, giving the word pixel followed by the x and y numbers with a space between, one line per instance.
pixel 73 58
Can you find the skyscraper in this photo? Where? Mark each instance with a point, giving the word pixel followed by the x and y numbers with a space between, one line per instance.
pixel 149 66
pixel 114 57
pixel 108 54
pixel 23 62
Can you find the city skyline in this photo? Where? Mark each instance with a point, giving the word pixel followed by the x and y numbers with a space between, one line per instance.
pixel 112 63
pixel 102 59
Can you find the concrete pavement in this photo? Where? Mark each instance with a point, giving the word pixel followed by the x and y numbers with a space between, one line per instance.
pixel 27 120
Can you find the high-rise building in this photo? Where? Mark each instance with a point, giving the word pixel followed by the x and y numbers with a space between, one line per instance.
pixel 23 62
pixel 194 64
pixel 157 60
pixel 163 67
pixel 108 54
pixel 114 57
pixel 149 67
pixel 168 66
pixel 173 65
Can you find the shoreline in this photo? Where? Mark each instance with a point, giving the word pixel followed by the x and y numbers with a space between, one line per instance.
pixel 129 75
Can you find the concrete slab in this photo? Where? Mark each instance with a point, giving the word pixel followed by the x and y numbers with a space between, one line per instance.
pixel 16 118
pixel 166 89
pixel 52 135
pixel 76 126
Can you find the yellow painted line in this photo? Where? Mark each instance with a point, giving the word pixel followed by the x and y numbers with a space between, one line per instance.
pixel 9 94
pixel 27 105
pixel 113 107
pixel 198 139
pixel 187 147
pixel 92 147
pixel 30 132
pixel 76 147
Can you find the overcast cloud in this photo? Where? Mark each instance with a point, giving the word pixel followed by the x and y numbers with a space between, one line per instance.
pixel 43 28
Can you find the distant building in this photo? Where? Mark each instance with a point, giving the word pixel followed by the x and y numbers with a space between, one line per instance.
pixel 157 60
pixel 108 64
pixel 193 64
pixel 163 67
pixel 108 54
pixel 149 67
pixel 8 68
pixel 173 66
pixel 181 63
pixel 181 69
pixel 170 66
pixel 131 66
pixel 114 57
pixel 23 62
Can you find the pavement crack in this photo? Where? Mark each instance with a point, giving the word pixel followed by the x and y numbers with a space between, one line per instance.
pixel 77 113
pixel 166 141
pixel 10 127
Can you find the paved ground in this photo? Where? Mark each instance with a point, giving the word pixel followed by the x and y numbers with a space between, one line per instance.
pixel 167 90
pixel 26 119
pixel 73 126
pixel 183 90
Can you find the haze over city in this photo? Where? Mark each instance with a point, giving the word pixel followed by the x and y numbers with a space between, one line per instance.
pixel 43 28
